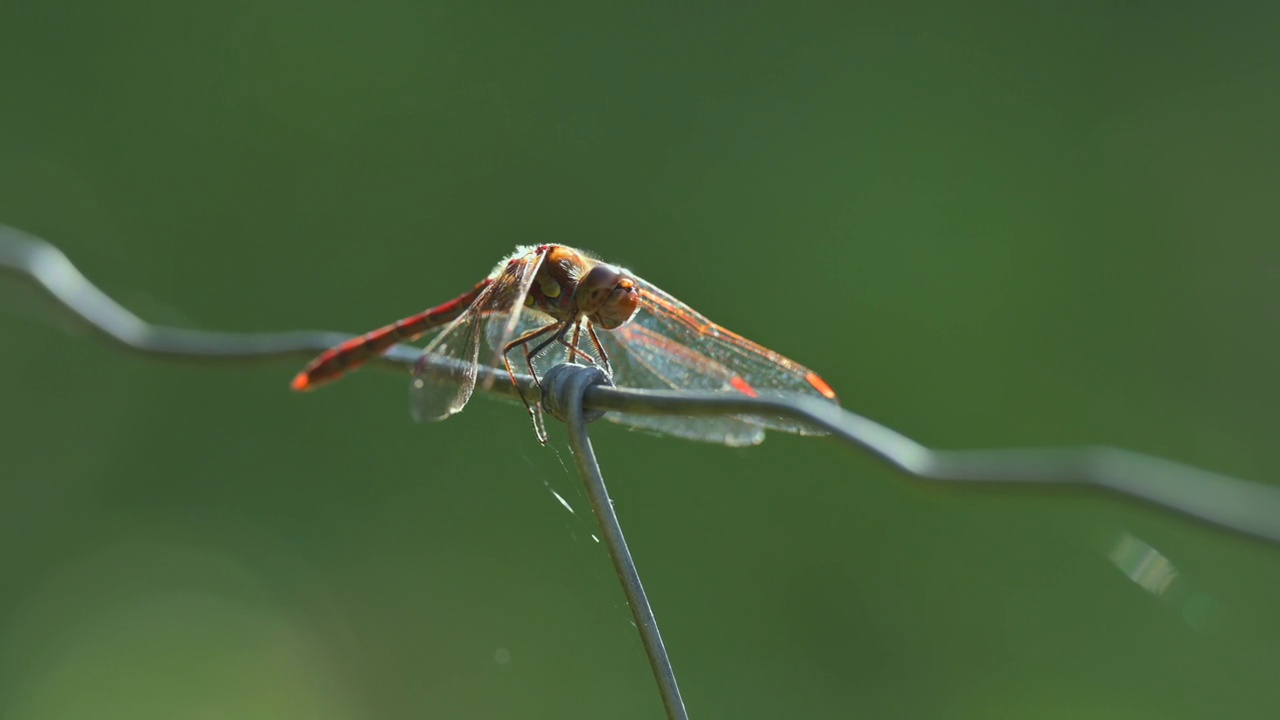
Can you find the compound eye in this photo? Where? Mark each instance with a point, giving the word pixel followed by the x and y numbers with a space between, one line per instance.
pixel 594 289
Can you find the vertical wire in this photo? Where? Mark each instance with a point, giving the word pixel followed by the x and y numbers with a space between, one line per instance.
pixel 602 506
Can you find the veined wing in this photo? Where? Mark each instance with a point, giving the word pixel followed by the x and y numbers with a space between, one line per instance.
pixel 438 392
pixel 645 360
pixel 670 342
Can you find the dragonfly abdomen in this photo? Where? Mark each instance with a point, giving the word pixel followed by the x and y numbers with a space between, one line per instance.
pixel 341 359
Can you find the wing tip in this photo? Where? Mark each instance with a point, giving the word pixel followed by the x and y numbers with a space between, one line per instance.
pixel 820 385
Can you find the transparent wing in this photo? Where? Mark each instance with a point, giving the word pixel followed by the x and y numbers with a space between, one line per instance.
pixel 529 321
pixel 656 364
pixel 669 345
pixel 720 430
pixel 438 392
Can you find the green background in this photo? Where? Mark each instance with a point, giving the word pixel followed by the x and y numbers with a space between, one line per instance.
pixel 984 226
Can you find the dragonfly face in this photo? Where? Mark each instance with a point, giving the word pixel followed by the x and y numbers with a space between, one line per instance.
pixel 607 297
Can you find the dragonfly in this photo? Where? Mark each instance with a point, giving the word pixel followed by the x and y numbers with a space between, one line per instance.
pixel 551 303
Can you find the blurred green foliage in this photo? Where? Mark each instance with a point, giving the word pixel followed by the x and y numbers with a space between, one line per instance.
pixel 984 226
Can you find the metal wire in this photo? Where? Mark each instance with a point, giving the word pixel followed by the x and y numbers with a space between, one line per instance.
pixel 1246 507
pixel 1242 506
pixel 565 386
pixel 40 261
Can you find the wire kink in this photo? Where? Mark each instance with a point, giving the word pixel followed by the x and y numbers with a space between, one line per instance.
pixel 1239 505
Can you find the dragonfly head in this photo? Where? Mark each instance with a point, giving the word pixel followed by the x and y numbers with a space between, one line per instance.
pixel 608 296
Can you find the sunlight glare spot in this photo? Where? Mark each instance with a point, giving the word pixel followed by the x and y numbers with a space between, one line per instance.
pixel 1150 570
pixel 502 656
pixel 563 502
pixel 1143 564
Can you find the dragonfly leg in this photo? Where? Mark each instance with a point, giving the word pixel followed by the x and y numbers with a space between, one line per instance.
pixel 573 346
pixel 575 351
pixel 559 337
pixel 535 411
pixel 604 356
pixel 523 341
pixel 562 329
